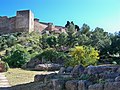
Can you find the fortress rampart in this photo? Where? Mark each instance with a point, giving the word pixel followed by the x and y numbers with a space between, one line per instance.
pixel 24 21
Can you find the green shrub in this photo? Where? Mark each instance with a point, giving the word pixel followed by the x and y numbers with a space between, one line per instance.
pixel 51 55
pixel 18 57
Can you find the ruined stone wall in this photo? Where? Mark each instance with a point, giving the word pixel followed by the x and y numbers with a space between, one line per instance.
pixel 7 25
pixel 4 23
pixel 39 26
pixel 23 21
pixel 12 24
pixel 31 21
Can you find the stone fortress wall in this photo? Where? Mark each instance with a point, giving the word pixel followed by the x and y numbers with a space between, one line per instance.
pixel 24 21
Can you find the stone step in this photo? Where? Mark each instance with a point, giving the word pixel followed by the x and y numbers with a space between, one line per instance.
pixel 3 81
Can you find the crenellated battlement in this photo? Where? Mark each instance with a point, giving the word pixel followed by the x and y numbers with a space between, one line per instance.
pixel 24 21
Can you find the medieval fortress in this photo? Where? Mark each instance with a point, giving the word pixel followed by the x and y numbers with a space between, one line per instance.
pixel 24 21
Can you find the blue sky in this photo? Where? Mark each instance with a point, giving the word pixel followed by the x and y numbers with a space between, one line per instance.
pixel 95 13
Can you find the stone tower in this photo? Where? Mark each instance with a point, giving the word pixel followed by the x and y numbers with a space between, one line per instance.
pixel 25 21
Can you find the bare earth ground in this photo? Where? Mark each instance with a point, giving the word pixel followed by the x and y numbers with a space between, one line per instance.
pixel 19 76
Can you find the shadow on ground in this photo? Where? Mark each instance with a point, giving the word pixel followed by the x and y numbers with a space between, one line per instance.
pixel 28 86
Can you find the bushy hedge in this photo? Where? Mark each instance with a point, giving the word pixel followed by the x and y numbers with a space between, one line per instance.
pixel 18 57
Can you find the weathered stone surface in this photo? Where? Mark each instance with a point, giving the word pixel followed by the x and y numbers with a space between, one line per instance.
pixel 23 21
pixel 62 70
pixel 95 69
pixel 66 76
pixel 109 80
pixel 109 75
pixel 32 63
pixel 118 70
pixel 83 84
pixel 100 69
pixel 114 69
pixel 39 78
pixel 71 85
pixel 50 76
pixel 112 86
pixel 68 69
pixel 49 67
pixel 57 84
pixel 117 79
pixel 90 69
pixel 96 87
pixel 77 70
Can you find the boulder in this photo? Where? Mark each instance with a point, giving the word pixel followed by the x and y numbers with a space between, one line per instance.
pixel 39 78
pixel 62 70
pixel 94 69
pixel 50 76
pixel 66 76
pixel 90 69
pixel 109 80
pixel 112 86
pixel 71 85
pixel 118 70
pixel 99 69
pixel 117 79
pixel 96 87
pixel 77 70
pixel 49 67
pixel 109 75
pixel 58 84
pixel 32 63
pixel 3 66
pixel 114 69
pixel 83 84
pixel 68 69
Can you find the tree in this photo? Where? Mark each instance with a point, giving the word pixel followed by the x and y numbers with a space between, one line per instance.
pixel 83 55
pixel 71 37
pixel 76 26
pixel 115 45
pixel 83 35
pixel 68 23
pixel 52 41
pixel 85 29
pixel 44 41
pixel 62 41
pixel 100 39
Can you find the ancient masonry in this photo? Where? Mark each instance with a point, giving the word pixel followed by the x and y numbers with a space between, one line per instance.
pixel 24 21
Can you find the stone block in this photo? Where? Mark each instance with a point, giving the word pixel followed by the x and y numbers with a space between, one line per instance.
pixel 96 87
pixel 71 85
pixel 112 86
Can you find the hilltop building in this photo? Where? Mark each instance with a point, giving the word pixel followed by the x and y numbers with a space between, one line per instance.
pixel 24 21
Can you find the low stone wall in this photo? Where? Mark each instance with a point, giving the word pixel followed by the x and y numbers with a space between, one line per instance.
pixel 80 78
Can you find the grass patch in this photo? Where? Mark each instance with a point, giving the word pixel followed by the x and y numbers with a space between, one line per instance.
pixel 19 76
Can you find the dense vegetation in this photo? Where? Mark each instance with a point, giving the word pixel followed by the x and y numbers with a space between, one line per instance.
pixel 93 46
